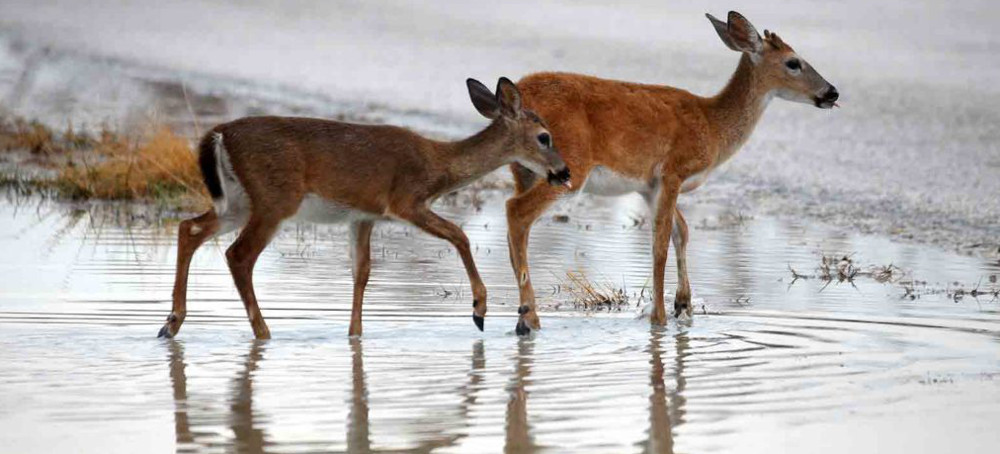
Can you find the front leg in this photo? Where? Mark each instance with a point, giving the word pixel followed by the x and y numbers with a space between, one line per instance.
pixel 666 204
pixel 522 211
pixel 430 222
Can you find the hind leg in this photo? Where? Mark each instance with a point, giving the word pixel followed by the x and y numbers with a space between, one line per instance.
pixel 666 205
pixel 361 234
pixel 190 236
pixel 242 256
pixel 679 236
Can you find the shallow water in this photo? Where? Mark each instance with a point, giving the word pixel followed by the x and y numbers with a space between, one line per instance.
pixel 798 368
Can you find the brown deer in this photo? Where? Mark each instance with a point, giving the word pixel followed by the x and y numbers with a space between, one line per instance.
pixel 620 137
pixel 261 171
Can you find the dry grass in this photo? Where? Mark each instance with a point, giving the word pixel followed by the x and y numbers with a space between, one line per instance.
pixel 842 268
pixel 156 165
pixel 20 134
pixel 153 164
pixel 836 268
pixel 914 289
pixel 592 296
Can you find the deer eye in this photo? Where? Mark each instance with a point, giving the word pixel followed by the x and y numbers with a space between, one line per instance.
pixel 793 64
pixel 545 139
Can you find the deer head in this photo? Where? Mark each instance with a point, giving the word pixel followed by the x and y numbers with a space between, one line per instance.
pixel 529 137
pixel 781 70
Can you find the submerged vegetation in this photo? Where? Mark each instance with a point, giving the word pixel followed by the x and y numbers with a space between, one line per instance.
pixel 151 164
pixel 843 269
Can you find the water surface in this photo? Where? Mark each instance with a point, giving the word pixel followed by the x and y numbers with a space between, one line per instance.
pixel 797 368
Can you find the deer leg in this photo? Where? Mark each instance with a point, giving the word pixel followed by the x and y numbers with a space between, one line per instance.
pixel 361 266
pixel 190 236
pixel 242 256
pixel 666 205
pixel 435 225
pixel 679 236
pixel 522 211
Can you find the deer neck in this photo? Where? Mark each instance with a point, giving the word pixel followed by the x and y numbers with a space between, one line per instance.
pixel 735 111
pixel 470 159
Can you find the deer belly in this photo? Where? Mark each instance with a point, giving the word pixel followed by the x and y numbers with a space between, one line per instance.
pixel 694 181
pixel 324 211
pixel 603 181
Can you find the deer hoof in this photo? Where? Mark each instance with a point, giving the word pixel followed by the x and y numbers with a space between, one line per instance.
pixel 165 332
pixel 522 328
pixel 479 321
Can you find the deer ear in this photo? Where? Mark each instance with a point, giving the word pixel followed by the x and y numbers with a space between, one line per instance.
pixel 738 34
pixel 509 97
pixel 723 30
pixel 484 99
pixel 743 34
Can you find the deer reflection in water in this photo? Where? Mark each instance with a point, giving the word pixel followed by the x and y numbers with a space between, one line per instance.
pixel 194 423
pixel 246 437
pixel 666 407
pixel 518 429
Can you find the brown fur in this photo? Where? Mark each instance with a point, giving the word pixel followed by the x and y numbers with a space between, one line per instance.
pixel 657 134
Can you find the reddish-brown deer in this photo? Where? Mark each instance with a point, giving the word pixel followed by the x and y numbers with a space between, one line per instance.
pixel 261 171
pixel 660 141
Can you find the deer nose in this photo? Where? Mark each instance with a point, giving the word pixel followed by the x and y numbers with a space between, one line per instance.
pixel 831 94
pixel 560 177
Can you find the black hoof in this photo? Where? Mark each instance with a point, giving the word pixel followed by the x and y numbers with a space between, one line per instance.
pixel 165 332
pixel 522 328
pixel 479 321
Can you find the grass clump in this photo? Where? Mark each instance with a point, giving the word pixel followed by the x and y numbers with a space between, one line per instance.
pixel 151 164
pixel 17 133
pixel 593 296
pixel 157 165
pixel 842 268
pixel 21 134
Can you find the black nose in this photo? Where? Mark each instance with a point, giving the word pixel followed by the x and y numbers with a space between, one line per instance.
pixel 560 177
pixel 831 94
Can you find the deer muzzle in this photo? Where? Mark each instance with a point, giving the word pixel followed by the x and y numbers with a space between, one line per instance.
pixel 829 99
pixel 560 177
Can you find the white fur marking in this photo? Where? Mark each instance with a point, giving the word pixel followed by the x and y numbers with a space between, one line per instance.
pixel 221 204
pixel 694 181
pixel 533 167
pixel 603 181
pixel 322 211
